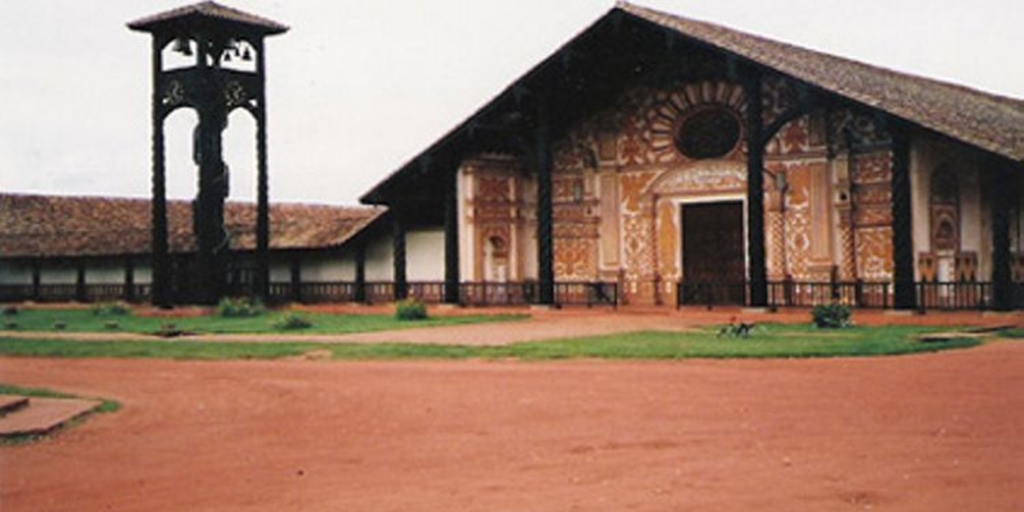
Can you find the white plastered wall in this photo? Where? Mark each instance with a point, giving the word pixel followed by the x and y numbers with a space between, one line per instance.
pixel 424 254
pixel 14 272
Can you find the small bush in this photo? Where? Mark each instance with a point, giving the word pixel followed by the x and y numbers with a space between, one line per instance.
pixel 292 321
pixel 59 325
pixel 411 309
pixel 10 325
pixel 111 309
pixel 112 325
pixel 239 307
pixel 832 316
pixel 10 310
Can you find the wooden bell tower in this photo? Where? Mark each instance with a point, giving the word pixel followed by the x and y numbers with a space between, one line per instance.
pixel 210 58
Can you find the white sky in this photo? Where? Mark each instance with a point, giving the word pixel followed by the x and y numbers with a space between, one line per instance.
pixel 356 88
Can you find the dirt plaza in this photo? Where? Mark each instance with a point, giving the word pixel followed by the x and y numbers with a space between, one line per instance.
pixel 911 433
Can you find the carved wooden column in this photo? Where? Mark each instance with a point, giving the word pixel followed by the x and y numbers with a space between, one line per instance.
pixel 129 279
pixel 451 238
pixel 1001 191
pixel 262 181
pixel 755 191
pixel 81 295
pixel 37 279
pixel 401 290
pixel 904 294
pixel 161 262
pixel 359 294
pixel 295 275
pixel 545 218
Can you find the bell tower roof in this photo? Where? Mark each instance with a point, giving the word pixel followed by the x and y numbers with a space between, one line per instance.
pixel 207 13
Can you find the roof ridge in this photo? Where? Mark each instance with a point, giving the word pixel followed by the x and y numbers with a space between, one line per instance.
pixel 631 7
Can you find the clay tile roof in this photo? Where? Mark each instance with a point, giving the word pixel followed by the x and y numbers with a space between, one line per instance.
pixel 59 226
pixel 991 122
pixel 207 11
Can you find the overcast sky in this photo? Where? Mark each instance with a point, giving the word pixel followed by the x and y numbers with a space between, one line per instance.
pixel 357 88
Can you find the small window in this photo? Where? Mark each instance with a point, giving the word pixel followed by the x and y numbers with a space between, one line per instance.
pixel 708 133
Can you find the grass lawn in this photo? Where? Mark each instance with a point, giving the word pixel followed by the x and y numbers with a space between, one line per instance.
pixel 84 320
pixel 768 341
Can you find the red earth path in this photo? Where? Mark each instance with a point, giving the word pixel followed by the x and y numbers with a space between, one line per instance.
pixel 939 432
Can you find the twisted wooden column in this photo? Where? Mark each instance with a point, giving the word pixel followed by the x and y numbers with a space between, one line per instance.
pixel 1001 190
pixel 451 239
pixel 545 216
pixel 905 296
pixel 161 276
pixel 755 191
pixel 401 290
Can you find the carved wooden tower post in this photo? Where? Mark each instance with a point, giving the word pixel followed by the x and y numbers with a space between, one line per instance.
pixel 221 67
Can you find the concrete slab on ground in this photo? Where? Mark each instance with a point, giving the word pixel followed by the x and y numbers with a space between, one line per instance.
pixel 42 415
pixel 11 403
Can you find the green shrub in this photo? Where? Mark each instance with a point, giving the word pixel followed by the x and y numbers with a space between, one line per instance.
pixel 112 324
pixel 832 316
pixel 112 309
pixel 411 309
pixel 10 325
pixel 240 307
pixel 292 321
pixel 10 310
pixel 60 325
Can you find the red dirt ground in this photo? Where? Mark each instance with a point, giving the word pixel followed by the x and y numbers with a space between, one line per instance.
pixel 918 433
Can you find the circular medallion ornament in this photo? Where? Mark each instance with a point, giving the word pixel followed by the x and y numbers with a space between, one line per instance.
pixel 711 132
pixel 235 94
pixel 174 94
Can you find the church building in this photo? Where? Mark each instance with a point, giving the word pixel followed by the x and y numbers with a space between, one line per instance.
pixel 685 162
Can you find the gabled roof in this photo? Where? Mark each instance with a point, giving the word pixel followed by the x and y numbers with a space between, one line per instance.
pixel 60 226
pixel 207 11
pixel 987 121
pixel 990 122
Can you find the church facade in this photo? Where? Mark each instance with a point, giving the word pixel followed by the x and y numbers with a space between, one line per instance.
pixel 686 163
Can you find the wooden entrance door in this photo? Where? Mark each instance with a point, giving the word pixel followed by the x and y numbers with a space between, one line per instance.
pixel 714 266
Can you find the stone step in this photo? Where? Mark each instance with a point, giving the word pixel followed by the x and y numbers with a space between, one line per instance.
pixel 11 403
pixel 42 415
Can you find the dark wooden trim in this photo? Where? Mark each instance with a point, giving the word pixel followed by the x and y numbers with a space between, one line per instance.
pixel 1002 188
pixel 451 238
pixel 758 274
pixel 398 251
